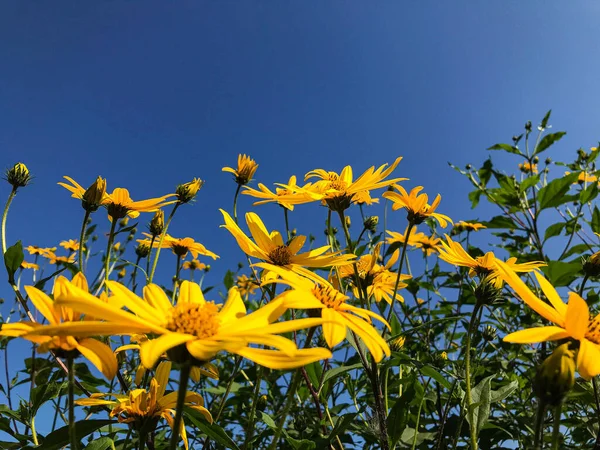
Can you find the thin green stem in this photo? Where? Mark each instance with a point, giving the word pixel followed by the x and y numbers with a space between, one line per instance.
pixel 538 431
pixel 251 417
pixel 401 262
pixel 295 382
pixel 414 443
pixel 235 199
pixel 149 255
pixel 72 432
pixel 111 239
pixel 160 241
pixel 5 215
pixel 472 425
pixel 34 435
pixel 142 440
pixel 176 281
pixel 556 427
pixel 81 240
pixel 184 377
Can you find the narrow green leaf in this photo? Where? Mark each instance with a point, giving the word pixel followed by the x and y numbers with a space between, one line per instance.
pixel 228 280
pixel 398 417
pixel 544 123
pixel 13 259
pixel 431 372
pixel 561 273
pixel 214 431
pixel 59 438
pixel 331 374
pixel 506 148
pixel 595 224
pixel 100 444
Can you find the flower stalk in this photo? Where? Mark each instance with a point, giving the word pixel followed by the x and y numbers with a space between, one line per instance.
pixel 184 377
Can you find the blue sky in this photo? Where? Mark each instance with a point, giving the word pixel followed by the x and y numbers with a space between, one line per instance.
pixel 151 94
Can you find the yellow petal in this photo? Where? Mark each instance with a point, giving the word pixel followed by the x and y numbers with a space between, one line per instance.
pixel 100 355
pixel 90 328
pixel 578 316
pixel 162 377
pixel 335 330
pixel 233 308
pixel 274 359
pixel 539 334
pixel 259 232
pixel 551 294
pixel 154 295
pixel 152 350
pixel 140 307
pixel 588 359
pixel 190 293
pixel 43 304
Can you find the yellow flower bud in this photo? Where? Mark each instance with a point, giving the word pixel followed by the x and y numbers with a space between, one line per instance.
pixel 398 343
pixel 142 250
pixel 94 195
pixel 18 175
pixel 556 376
pixel 187 192
pixel 157 224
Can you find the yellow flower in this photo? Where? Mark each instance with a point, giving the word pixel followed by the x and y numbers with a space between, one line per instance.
pixel 28 265
pixel 416 205
pixel 194 265
pixel 398 343
pixel 246 285
pixel 468 226
pixel 378 280
pixel 35 250
pixel 483 266
pixel 98 353
pixel 188 191
pixel 180 247
pixel 584 177
pixel 193 329
pixel 526 167
pixel 311 294
pixel 119 204
pixel 71 244
pixel 246 167
pixel 54 259
pixel 270 247
pixel 143 407
pixel 287 195
pixel 571 320
pixel 339 191
pixel 428 244
pixel 91 198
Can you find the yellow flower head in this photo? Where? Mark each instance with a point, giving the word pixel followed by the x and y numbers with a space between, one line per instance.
pixel 527 167
pixel 571 320
pixel 143 407
pixel 555 377
pixel 28 265
pixel 35 250
pixel 91 198
pixel 119 204
pixel 468 226
pixel 269 247
pixel 286 195
pixel 193 330
pixel 18 175
pixel 584 177
pixel 194 264
pixel 429 244
pixel 55 259
pixel 340 315
pixel 246 167
pixel 180 247
pixel 416 205
pixel 98 353
pixel 187 192
pixel 71 244
pixel 339 191
pixel 157 224
pixel 246 285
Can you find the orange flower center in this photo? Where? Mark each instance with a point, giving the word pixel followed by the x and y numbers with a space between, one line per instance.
pixel 195 319
pixel 593 332
pixel 328 296
pixel 281 256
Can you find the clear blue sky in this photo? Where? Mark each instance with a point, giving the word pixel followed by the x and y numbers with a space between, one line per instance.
pixel 150 94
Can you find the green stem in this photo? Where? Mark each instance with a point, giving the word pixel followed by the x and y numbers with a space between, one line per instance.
pixel 176 282
pixel 111 238
pixel 72 433
pixel 538 432
pixel 81 239
pixel 414 444
pixel 472 425
pixel 251 417
pixel 160 241
pixel 287 225
pixel 286 408
pixel 149 255
pixel 142 440
pixel 556 429
pixel 34 436
pixel 235 199
pixel 401 262
pixel 5 215
pixel 181 393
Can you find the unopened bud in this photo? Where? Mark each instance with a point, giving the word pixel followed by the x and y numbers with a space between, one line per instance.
pixel 591 265
pixel 370 223
pixel 18 175
pixel 94 195
pixel 489 333
pixel 123 222
pixel 548 161
pixel 157 224
pixel 187 192
pixel 142 250
pixel 556 376
pixel 398 343
pixel 348 222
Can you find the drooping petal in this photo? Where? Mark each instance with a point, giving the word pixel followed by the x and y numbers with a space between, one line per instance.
pixel 43 304
pixel 334 331
pixel 162 378
pixel 140 307
pixel 233 308
pixel 274 359
pixel 551 294
pixel 190 292
pixel 100 355
pixel 578 316
pixel 152 350
pixel 588 359
pixel 538 334
pixel 154 295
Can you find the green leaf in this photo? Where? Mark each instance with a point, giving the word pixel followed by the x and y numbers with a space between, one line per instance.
pixel 595 224
pixel 554 230
pixel 485 173
pixel 60 438
pixel 40 284
pixel 126 229
pixel 398 417
pixel 544 123
pixel 589 193
pixel 214 431
pixel 303 444
pixel 13 259
pixel 554 193
pixel 330 374
pixel 474 196
pixel 228 280
pixel 576 250
pixel 506 148
pixel 341 424
pixel 529 182
pixel 500 394
pixel 500 222
pixel 43 393
pixel 100 444
pixel 481 396
pixel 561 273
pixel 547 141
pixel 431 372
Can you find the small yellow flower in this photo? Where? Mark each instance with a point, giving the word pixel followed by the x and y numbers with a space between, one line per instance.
pixel 468 226
pixel 398 343
pixel 18 175
pixel 180 247
pixel 527 167
pixel 35 250
pixel 194 264
pixel 71 244
pixel 246 285
pixel 54 259
pixel 416 205
pixel 246 167
pixel 187 192
pixel 286 195
pixel 143 408
pixel 28 265
pixel 584 177
pixel 91 198
pixel 119 204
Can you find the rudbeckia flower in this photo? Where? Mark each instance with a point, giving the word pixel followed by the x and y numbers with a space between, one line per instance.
pixel 29 265
pixel 144 407
pixel 120 204
pixel 98 353
pixel 246 167
pixel 270 247
pixel 193 327
pixel 571 320
pixel 416 205
pixel 54 259
pixel 181 246
pixel 429 244
pixel 378 280
pixel 308 294
pixel 339 191
pixel 35 250
pixel 246 285
pixel 485 266
pixel 468 226
pixel 71 244
pixel 194 264
pixel 286 195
